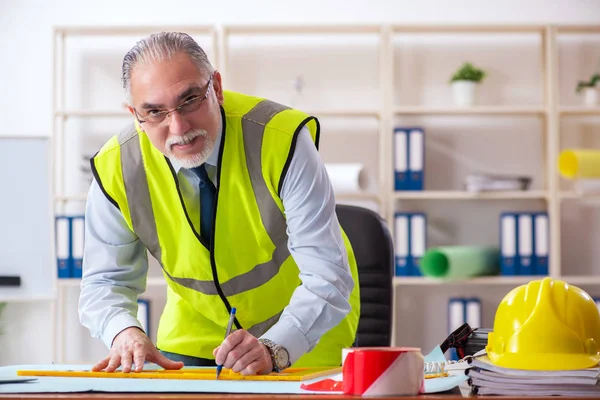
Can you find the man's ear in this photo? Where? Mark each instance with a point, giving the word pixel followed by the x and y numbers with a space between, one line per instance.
pixel 218 87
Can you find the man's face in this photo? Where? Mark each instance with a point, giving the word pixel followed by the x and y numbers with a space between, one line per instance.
pixel 187 135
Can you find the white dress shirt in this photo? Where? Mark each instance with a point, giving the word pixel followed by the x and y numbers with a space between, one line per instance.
pixel 115 262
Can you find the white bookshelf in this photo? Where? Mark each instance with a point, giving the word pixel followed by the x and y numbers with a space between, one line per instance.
pixel 381 105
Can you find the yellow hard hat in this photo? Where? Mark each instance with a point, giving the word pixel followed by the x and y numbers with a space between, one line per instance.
pixel 546 325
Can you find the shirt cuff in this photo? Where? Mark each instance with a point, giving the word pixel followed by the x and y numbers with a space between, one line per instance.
pixel 118 324
pixel 289 336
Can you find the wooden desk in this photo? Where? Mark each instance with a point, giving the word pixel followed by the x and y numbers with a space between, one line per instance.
pixel 220 396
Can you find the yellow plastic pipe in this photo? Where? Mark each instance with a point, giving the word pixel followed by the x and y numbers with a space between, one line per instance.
pixel 574 164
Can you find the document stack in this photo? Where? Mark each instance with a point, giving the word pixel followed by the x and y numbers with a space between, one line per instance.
pixel 479 182
pixel 486 378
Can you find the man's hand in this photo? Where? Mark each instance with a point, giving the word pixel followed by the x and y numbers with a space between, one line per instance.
pixel 242 352
pixel 132 345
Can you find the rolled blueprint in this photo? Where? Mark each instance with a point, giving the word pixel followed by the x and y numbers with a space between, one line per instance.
pixel 456 262
pixel 580 163
pixel 347 178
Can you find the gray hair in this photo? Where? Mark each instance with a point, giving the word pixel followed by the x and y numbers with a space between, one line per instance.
pixel 161 46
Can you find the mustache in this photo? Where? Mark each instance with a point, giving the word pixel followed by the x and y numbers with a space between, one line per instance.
pixel 185 139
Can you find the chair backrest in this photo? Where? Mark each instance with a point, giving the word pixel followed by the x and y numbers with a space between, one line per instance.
pixel 374 252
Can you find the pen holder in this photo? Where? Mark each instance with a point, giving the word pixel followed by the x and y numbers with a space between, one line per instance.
pixel 383 371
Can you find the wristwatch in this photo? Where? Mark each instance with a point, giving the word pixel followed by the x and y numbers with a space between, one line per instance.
pixel 279 355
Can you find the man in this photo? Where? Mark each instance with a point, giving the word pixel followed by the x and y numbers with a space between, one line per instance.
pixel 228 193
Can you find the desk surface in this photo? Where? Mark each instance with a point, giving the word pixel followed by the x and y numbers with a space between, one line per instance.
pixel 221 396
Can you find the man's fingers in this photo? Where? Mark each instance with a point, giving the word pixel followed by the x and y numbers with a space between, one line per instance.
pixel 160 359
pixel 216 350
pixel 101 365
pixel 229 344
pixel 114 363
pixel 242 362
pixel 126 360
pixel 139 358
pixel 255 367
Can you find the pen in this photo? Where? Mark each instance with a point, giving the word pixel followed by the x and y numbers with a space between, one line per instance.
pixel 231 317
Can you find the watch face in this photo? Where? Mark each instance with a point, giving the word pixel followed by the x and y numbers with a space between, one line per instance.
pixel 282 358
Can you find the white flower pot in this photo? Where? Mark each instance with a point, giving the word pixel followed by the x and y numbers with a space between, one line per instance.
pixel 464 93
pixel 591 96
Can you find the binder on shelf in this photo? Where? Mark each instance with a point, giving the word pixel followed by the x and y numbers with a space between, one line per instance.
pixel 143 315
pixel 401 159
pixel 541 228
pixel 62 227
pixel 456 318
pixel 508 244
pixel 402 240
pixel 525 245
pixel 416 155
pixel 473 314
pixel 418 242
pixel 77 240
pixel 597 301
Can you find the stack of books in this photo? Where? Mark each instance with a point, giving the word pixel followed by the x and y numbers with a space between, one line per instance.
pixel 485 378
pixel 479 182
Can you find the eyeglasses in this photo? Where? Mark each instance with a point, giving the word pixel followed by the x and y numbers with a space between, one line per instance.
pixel 191 104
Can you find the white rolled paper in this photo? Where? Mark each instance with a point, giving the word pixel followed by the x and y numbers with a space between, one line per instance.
pixel 348 177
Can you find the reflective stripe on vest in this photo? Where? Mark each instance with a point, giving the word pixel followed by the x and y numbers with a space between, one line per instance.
pixel 143 220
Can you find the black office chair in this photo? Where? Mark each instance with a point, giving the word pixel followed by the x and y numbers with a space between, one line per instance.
pixel 374 252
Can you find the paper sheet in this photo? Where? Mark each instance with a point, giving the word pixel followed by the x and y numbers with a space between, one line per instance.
pixel 77 385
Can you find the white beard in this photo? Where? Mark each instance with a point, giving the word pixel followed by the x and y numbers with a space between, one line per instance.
pixel 194 160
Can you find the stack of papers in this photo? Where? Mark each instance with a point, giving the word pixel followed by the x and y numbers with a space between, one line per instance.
pixel 486 378
pixel 479 182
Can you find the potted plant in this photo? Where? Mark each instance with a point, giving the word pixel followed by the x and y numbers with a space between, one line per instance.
pixel 464 82
pixel 590 89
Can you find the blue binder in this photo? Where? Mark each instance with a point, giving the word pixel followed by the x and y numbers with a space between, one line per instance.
pixel 418 242
pixel 402 243
pixel 473 313
pixel 416 158
pixel 77 245
pixel 457 316
pixel 541 248
pixel 143 315
pixel 62 229
pixel 525 243
pixel 508 244
pixel 401 176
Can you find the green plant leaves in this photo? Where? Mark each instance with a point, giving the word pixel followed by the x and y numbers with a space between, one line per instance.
pixel 468 72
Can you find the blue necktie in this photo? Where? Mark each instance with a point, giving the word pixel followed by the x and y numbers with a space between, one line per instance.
pixel 207 198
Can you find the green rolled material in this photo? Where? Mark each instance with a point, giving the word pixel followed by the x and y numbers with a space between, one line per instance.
pixel 456 262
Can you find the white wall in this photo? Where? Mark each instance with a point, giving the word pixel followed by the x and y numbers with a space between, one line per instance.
pixel 26 67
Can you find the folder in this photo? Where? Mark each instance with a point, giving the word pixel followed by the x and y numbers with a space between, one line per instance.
pixel 77 240
pixel 456 318
pixel 542 243
pixel 143 315
pixel 63 245
pixel 402 240
pixel 525 245
pixel 416 155
pixel 401 159
pixel 418 242
pixel 597 301
pixel 508 244
pixel 473 312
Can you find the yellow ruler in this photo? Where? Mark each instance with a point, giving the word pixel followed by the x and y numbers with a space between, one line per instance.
pixel 290 374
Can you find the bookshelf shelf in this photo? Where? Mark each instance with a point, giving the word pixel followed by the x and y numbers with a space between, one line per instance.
pixel 579 110
pixel 152 281
pixel 463 195
pixel 125 113
pixel 480 110
pixel 483 280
